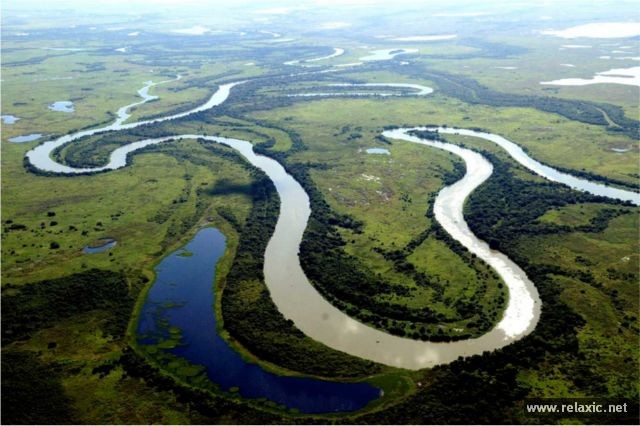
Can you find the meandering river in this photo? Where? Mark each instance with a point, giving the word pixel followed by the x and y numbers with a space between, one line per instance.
pixel 420 90
pixel 40 156
pixel 549 173
pixel 319 319
pixel 289 287
pixel 336 52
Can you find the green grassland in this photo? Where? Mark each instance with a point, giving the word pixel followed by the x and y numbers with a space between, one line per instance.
pixel 539 60
pixel 137 206
pixel 80 77
pixel 549 138
pixel 609 304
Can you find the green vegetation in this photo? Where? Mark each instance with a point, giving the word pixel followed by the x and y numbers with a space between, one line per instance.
pixel 62 339
pixel 471 92
pixel 154 216
pixel 31 391
pixel 78 355
pixel 372 246
pixel 349 285
pixel 361 248
pixel 26 309
pixel 532 201
pixel 588 323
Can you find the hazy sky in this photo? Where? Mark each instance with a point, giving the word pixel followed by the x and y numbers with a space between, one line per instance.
pixel 190 3
pixel 266 4
pixel 265 7
pixel 283 7
pixel 237 11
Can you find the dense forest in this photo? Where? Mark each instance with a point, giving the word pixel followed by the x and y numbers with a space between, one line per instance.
pixel 31 389
pixel 26 309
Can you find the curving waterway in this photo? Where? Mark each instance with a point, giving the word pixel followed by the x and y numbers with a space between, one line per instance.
pixel 419 90
pixel 319 319
pixel 549 173
pixel 287 283
pixel 336 52
pixel 40 156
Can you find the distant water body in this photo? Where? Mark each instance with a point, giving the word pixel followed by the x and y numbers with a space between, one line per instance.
pixel 26 138
pixel 9 119
pixel 549 173
pixel 378 151
pixel 62 106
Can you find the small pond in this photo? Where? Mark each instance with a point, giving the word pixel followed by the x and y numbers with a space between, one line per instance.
pixel 62 106
pixel 100 246
pixel 378 151
pixel 9 119
pixel 26 138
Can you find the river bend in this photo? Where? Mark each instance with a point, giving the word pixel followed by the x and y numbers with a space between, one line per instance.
pixel 287 282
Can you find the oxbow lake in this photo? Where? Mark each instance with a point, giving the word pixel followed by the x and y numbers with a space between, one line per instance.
pixel 182 298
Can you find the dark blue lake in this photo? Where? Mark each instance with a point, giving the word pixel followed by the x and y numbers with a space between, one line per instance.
pixel 183 296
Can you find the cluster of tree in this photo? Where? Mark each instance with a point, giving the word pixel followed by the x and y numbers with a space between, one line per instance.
pixel 431 135
pixel 90 67
pixel 227 214
pixel 210 81
pixel 382 139
pixel 506 207
pixel 11 226
pixel 32 391
pixel 183 107
pixel 32 61
pixel 29 308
